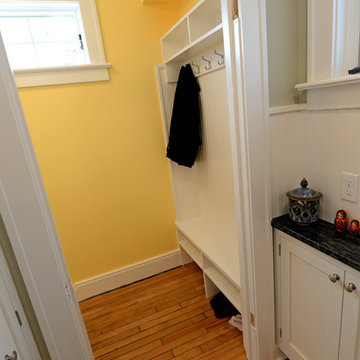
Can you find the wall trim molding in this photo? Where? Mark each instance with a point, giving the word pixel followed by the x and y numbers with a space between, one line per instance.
pixel 287 109
pixel 306 108
pixel 126 275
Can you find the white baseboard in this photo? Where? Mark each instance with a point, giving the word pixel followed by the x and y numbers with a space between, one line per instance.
pixel 126 275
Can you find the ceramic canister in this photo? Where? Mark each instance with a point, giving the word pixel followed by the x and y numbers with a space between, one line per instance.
pixel 304 204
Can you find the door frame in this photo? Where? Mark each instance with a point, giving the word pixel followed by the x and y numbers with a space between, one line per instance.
pixel 10 304
pixel 31 230
pixel 251 103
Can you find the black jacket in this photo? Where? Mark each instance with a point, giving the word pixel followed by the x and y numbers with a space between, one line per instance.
pixel 185 128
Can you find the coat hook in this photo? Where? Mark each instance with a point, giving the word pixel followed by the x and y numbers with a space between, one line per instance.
pixel 208 66
pixel 221 61
pixel 198 68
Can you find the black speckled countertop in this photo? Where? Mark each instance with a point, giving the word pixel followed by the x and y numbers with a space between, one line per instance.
pixel 323 237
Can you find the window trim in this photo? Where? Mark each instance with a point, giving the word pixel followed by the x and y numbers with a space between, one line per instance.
pixel 61 75
pixel 97 70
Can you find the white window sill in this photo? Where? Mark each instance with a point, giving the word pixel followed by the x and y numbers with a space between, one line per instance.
pixel 345 80
pixel 61 75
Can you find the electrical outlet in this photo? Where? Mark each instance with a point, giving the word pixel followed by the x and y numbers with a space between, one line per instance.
pixel 349 187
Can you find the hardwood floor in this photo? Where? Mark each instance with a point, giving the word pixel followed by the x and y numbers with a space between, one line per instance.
pixel 163 317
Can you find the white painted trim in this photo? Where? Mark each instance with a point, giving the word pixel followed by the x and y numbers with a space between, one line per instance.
pixel 345 96
pixel 234 72
pixel 29 224
pixel 330 94
pixel 61 75
pixel 253 154
pixel 287 109
pixel 126 275
pixel 52 69
pixel 307 108
pixel 345 80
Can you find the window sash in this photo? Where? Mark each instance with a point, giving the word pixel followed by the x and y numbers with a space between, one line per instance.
pixel 95 70
pixel 34 45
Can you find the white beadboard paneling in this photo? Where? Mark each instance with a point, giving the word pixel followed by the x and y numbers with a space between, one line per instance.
pixel 216 186
pixel 206 191
pixel 319 145
pixel 183 179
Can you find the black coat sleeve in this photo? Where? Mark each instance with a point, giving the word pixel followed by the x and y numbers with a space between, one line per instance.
pixel 185 128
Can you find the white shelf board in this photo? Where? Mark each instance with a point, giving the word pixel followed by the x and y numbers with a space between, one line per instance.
pixel 210 240
pixel 180 20
pixel 225 286
pixel 192 251
pixel 212 37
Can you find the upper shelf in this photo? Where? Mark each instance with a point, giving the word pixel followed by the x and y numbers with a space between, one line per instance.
pixel 196 31
pixel 214 36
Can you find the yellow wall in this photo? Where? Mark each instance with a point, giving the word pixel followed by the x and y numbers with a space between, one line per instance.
pixel 185 6
pixel 101 149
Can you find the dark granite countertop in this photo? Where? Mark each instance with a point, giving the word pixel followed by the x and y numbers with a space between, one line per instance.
pixel 323 237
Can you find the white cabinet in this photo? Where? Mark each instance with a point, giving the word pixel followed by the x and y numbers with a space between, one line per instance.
pixel 317 318
pixel 198 33
pixel 206 195
pixel 350 341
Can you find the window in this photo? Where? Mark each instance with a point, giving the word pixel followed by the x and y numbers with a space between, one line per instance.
pixel 51 42
pixel 43 34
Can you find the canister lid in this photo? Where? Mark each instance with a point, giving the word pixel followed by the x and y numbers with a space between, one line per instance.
pixel 304 193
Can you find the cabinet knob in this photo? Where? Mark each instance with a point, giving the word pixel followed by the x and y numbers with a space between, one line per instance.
pixel 334 277
pixel 350 287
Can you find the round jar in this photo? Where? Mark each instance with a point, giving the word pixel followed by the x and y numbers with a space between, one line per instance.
pixel 304 204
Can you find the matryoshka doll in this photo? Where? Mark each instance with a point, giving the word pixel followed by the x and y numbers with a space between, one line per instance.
pixel 341 221
pixel 354 228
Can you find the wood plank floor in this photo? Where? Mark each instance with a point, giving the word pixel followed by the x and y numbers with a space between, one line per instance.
pixel 163 317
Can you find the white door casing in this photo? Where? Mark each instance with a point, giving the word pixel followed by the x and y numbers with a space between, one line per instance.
pixel 254 174
pixel 31 230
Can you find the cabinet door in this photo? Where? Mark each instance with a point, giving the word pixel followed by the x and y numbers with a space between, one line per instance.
pixel 310 304
pixel 350 327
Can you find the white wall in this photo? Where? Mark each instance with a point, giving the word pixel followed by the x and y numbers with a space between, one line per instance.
pixel 286 41
pixel 318 145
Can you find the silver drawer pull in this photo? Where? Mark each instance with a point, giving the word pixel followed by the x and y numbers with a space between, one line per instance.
pixel 350 287
pixel 334 277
